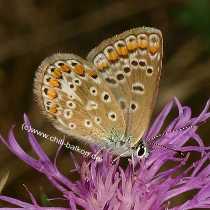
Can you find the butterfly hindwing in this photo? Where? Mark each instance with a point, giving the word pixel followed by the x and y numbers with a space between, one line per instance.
pixel 76 99
pixel 130 63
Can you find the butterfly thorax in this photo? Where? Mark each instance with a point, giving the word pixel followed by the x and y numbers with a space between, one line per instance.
pixel 119 143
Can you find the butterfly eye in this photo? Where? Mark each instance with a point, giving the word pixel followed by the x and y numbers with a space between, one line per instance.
pixel 142 151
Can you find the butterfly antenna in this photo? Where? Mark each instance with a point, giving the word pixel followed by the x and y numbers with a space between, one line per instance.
pixel 167 148
pixel 151 141
pixel 174 131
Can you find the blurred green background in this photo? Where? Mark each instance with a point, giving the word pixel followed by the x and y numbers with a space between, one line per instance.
pixel 31 30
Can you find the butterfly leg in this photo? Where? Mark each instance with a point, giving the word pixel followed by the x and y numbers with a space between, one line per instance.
pixel 119 156
pixel 99 151
pixel 133 162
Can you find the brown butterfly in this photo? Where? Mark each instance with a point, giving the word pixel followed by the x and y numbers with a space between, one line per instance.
pixel 108 98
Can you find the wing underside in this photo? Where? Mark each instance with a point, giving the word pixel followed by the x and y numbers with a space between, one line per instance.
pixel 130 64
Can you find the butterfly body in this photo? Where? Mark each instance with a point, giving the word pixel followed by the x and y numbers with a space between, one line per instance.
pixel 108 98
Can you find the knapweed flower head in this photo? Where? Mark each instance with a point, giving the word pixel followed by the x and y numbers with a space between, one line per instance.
pixel 142 184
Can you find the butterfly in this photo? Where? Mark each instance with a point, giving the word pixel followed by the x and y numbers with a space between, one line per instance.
pixel 108 98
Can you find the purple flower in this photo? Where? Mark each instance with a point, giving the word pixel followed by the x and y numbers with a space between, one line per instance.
pixel 141 185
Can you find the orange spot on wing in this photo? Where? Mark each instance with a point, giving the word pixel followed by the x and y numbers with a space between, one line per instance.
pixel 132 45
pixel 57 73
pixel 54 83
pixel 154 48
pixel 65 68
pixel 122 51
pixel 112 56
pixel 79 69
pixel 51 93
pixel 142 43
pixel 154 44
pixel 53 109
pixel 102 65
pixel 92 73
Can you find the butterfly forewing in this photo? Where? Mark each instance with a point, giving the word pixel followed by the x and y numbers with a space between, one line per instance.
pixel 130 63
pixel 76 99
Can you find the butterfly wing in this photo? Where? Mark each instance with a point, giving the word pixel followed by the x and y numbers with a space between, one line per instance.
pixel 130 63
pixel 74 97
